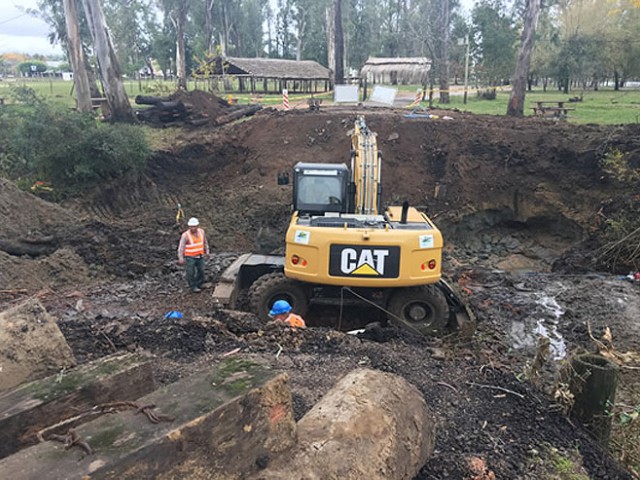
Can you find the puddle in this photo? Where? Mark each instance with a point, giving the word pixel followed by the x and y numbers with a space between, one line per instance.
pixel 543 321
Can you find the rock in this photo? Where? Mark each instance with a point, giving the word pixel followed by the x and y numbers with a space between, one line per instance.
pixel 371 425
pixel 31 345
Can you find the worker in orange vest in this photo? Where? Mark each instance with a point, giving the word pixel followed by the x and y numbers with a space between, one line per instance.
pixel 281 312
pixel 192 251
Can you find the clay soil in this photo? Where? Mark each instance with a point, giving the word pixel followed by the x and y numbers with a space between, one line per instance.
pixel 520 204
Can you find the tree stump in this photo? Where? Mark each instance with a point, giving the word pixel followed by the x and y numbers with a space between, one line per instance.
pixel 593 384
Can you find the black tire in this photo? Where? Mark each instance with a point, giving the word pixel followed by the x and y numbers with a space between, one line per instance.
pixel 419 309
pixel 275 286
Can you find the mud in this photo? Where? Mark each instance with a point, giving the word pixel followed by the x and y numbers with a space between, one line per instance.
pixel 520 205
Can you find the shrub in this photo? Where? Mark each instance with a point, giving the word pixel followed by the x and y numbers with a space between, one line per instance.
pixel 65 147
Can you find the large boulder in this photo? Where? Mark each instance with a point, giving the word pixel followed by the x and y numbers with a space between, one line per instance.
pixel 371 425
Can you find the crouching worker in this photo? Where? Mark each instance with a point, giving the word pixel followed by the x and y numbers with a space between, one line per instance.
pixel 192 251
pixel 281 312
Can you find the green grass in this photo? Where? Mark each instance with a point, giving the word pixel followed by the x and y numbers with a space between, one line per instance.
pixel 605 106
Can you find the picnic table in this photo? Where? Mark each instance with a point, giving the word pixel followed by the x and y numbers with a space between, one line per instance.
pixel 551 109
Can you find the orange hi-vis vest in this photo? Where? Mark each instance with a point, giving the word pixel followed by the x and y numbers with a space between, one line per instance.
pixel 195 245
pixel 295 321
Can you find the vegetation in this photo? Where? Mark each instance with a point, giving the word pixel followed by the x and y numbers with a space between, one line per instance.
pixel 577 44
pixel 47 142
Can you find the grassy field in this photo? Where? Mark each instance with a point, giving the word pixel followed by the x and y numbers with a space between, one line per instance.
pixel 604 106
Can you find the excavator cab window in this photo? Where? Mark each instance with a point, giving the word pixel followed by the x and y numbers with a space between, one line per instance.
pixel 320 188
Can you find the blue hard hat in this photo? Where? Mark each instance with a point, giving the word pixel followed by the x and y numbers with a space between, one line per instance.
pixel 280 307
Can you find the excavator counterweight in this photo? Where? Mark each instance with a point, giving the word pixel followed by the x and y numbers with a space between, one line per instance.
pixel 341 239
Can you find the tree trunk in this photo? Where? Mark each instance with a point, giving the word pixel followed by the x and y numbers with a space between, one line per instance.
pixel 331 44
pixel 208 22
pixel 593 385
pixel 301 28
pixel 109 69
pixel 339 69
pixel 76 55
pixel 616 80
pixel 519 83
pixel 181 62
pixel 444 52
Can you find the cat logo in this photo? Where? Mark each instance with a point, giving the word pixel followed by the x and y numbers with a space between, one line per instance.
pixel 352 260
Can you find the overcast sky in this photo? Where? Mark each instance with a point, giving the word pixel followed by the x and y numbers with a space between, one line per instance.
pixel 23 33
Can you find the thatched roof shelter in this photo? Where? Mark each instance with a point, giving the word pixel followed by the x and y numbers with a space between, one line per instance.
pixel 274 73
pixel 396 71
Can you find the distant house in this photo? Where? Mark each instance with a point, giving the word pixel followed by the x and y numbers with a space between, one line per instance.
pixel 396 71
pixel 270 75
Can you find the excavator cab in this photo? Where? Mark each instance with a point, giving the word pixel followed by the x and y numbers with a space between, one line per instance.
pixel 320 188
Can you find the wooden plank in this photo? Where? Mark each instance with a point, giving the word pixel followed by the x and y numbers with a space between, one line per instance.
pixel 228 420
pixel 35 406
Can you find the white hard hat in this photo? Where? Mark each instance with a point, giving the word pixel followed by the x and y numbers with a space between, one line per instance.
pixel 193 222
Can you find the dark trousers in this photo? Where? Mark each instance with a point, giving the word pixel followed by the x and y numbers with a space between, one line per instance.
pixel 194 268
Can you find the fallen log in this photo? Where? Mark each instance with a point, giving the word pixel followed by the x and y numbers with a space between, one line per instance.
pixel 66 400
pixel 220 424
pixel 198 121
pixel 31 249
pixel 171 106
pixel 371 425
pixel 49 239
pixel 242 112
pixel 150 99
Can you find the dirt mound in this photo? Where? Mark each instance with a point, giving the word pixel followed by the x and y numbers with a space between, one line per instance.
pixel 31 345
pixel 26 216
pixel 61 270
pixel 204 104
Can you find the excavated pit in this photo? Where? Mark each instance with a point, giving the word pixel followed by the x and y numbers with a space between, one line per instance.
pixel 513 197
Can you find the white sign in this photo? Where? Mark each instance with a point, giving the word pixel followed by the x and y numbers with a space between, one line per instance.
pixel 383 94
pixel 302 236
pixel 345 94
pixel 426 241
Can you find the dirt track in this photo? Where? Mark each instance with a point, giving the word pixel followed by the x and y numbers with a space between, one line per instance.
pixel 512 197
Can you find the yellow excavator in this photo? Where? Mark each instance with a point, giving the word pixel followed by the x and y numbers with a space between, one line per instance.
pixel 342 247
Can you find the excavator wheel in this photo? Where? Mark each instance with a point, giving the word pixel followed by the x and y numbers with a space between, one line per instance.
pixel 420 309
pixel 275 286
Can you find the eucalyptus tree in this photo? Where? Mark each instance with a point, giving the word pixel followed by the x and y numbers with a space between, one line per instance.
pixel 339 42
pixel 495 37
pixel 515 107
pixel 109 68
pixel 599 36
pixel 362 27
pixel 314 37
pixel 132 24
pixel 76 56
pixel 175 12
pixel 52 12
pixel 545 49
